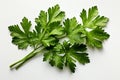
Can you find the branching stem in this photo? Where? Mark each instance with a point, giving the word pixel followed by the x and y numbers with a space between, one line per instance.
pixel 19 63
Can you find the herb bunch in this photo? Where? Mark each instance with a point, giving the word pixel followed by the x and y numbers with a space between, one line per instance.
pixel 62 41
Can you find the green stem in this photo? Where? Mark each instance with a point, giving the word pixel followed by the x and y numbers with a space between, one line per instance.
pixel 28 58
pixel 62 37
pixel 19 63
pixel 45 29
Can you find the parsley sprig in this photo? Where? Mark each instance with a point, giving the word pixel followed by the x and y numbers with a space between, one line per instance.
pixel 51 27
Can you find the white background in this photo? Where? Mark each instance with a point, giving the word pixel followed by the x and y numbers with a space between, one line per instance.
pixel 104 65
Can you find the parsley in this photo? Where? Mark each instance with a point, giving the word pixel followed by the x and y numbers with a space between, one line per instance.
pixel 62 41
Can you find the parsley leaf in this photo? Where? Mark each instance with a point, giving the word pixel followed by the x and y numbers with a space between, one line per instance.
pixel 96 36
pixel 95 23
pixel 66 55
pixel 63 42
pixel 22 38
pixel 92 19
pixel 72 30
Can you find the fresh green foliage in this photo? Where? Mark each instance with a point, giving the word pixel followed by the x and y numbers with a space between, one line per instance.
pixel 67 54
pixel 95 23
pixel 51 27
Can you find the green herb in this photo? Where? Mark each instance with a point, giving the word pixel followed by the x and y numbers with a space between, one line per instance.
pixel 62 41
